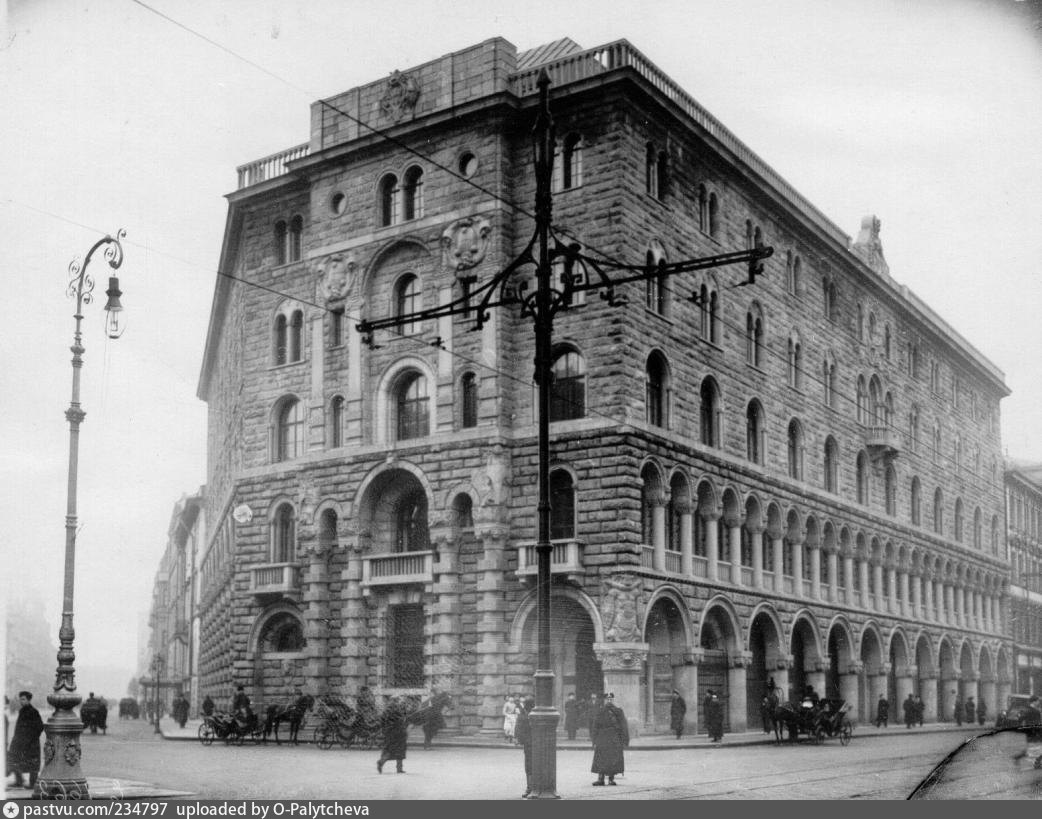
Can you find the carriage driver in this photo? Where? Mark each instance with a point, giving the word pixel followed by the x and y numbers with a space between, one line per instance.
pixel 241 709
pixel 810 697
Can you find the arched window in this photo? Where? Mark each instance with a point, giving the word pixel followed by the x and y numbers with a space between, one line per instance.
pixel 709 313
pixel 411 533
pixel 571 162
pixel 936 454
pixel 412 408
pixel 754 432
pixel 995 535
pixel 463 506
pixel 709 413
pixel 749 235
pixel 828 290
pixel 795 450
pixel 890 490
pixel 754 336
pixel 938 512
pixel 958 520
pixel 562 505
pixel 336 421
pixel 703 209
pixel 568 386
pixel 795 362
pixel 289 430
pixel 913 429
pixel 978 529
pixel 828 381
pixel 283 633
pixel 281 242
pixel 792 273
pixel 860 323
pixel 407 300
pixel 469 400
pixel 296 336
pixel 831 465
pixel 389 196
pixel 861 467
pixel 284 535
pixel 656 390
pixel 862 400
pixel 714 216
pixel 655 290
pixel 295 243
pixel 412 199
pixel 886 342
pixel 916 503
pixel 280 338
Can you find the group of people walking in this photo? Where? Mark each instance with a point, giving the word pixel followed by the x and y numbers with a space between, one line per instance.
pixel 969 711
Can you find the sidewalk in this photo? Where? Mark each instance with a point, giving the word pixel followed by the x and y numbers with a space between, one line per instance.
pixel 104 788
pixel 644 742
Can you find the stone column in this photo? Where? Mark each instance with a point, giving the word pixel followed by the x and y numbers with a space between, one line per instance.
pixel 969 686
pixel 905 679
pixel 866 600
pixel 736 700
pixel 816 677
pixel 495 669
pixel 687 682
pixel 712 546
pixel 622 665
pixel 891 584
pixel 687 546
pixel 446 610
pixel 996 616
pixel 316 614
pixel 877 585
pixel 928 691
pixel 949 605
pixel 734 537
pixel 848 578
pixel 778 560
pixel 353 669
pixel 928 614
pixel 960 607
pixel 938 600
pixel 797 567
pixel 815 571
pixel 781 676
pixel 975 612
pixel 917 598
pixel 848 688
pixel 833 575
pixel 658 529
pixel 756 536
pixel 988 691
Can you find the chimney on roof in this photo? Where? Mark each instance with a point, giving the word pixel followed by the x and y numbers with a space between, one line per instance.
pixel 868 246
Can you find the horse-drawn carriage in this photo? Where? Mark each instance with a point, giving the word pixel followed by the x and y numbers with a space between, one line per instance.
pixel 341 724
pixel 129 708
pixel 233 729
pixel 94 714
pixel 825 718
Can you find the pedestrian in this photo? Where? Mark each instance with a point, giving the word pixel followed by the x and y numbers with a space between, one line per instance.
pixel 208 706
pixel 971 710
pixel 677 711
pixel 180 710
pixel 431 717
pixel 959 708
pixel 883 712
pixel 571 716
pixel 982 711
pixel 394 721
pixel 611 735
pixel 908 706
pixel 713 708
pixel 23 757
pixel 523 732
pixel 919 708
pixel 509 719
pixel 592 707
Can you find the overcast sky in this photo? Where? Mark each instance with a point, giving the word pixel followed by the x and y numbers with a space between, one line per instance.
pixel 924 113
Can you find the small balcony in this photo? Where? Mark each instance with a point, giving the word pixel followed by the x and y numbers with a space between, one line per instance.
pixel 566 559
pixel 275 580
pixel 883 442
pixel 397 569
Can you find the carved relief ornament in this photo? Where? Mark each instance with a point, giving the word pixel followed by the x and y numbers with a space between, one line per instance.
pixel 619 608
pixel 465 242
pixel 400 96
pixel 336 276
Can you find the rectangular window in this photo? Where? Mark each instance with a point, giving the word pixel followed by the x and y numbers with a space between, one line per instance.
pixel 336 328
pixel 404 646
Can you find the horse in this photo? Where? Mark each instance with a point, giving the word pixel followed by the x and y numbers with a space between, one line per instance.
pixel 796 717
pixel 292 713
pixel 429 715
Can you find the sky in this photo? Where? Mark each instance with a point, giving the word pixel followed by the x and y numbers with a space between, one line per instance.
pixel 116 115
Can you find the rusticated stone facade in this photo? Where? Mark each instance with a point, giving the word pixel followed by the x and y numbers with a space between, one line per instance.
pixel 796 479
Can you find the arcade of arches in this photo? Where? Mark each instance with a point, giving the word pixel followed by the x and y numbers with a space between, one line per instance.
pixel 737 655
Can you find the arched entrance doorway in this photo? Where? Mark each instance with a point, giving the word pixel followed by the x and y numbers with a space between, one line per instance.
pixel 898 680
pixel 806 661
pixel 839 680
pixel 925 677
pixel 278 667
pixel 575 666
pixel 765 647
pixel 667 644
pixel 968 678
pixel 947 680
pixel 871 683
pixel 718 640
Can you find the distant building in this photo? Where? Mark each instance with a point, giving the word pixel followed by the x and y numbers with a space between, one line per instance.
pixel 798 479
pixel 1024 537
pixel 32 654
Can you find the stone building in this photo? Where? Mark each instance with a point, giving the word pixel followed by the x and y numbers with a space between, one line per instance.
pixel 797 479
pixel 1024 538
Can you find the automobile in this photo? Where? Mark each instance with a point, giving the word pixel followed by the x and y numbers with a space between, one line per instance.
pixel 1019 712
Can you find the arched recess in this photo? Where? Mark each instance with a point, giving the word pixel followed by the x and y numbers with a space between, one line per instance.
pixel 807 660
pixel 840 647
pixel 947 680
pixel 719 639
pixel 277 648
pixel 666 632
pixel 987 682
pixel 968 673
pixel 393 509
pixel 766 653
pixel 576 628
pixel 872 680
pixel 899 680
pixel 926 672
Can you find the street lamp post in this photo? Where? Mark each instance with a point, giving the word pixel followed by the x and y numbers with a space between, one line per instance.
pixel 61 777
pixel 157 675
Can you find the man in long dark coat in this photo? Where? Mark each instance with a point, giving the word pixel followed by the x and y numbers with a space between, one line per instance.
pixel 523 734
pixel 24 754
pixel 610 735
pixel 571 716
pixel 396 734
pixel 677 711
pixel 713 708
pixel 909 709
pixel 208 706
pixel 883 712
pixel 982 711
pixel 971 711
pixel 592 707
pixel 432 719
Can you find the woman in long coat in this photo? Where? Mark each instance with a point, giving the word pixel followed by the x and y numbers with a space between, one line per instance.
pixel 24 754
pixel 610 736
pixel 677 710
pixel 509 719
pixel 396 734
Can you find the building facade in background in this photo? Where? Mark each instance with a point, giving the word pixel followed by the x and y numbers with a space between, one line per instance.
pixel 796 480
pixel 1024 537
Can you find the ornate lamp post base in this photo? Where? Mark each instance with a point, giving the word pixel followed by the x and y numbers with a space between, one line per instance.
pixel 61 777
